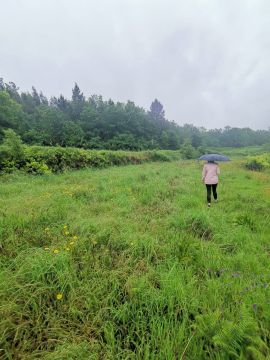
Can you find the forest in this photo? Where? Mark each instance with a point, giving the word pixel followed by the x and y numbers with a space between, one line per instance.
pixel 94 123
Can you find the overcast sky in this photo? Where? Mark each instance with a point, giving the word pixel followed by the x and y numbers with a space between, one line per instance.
pixel 207 61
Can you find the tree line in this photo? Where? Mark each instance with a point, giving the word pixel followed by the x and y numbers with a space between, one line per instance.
pixel 94 123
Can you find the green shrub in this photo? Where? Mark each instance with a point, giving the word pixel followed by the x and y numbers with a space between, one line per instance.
pixel 258 163
pixel 254 164
pixel 7 165
pixel 202 150
pixel 156 156
pixel 13 145
pixel 12 152
pixel 36 168
pixel 40 159
pixel 188 151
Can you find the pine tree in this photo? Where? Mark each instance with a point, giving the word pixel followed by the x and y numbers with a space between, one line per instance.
pixel 156 111
pixel 35 96
pixel 77 95
pixel 77 103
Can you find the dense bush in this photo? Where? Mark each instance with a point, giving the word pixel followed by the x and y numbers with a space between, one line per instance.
pixel 258 163
pixel 188 151
pixel 40 160
pixel 36 168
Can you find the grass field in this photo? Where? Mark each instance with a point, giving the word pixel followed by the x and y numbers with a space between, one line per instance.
pixel 239 152
pixel 129 263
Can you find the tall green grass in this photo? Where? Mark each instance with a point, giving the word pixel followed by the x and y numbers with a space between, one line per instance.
pixel 240 151
pixel 129 263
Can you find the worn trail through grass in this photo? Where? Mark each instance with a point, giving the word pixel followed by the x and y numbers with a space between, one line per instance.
pixel 129 263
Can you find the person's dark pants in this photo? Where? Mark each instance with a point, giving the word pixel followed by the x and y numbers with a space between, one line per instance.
pixel 214 190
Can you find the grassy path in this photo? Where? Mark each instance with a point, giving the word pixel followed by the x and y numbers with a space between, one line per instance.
pixel 129 263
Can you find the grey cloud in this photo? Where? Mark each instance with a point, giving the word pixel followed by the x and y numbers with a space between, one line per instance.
pixel 207 61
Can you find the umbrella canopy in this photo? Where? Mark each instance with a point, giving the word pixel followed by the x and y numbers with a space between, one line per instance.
pixel 214 157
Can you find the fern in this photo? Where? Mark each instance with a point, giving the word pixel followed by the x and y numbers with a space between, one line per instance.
pixel 241 339
pixel 207 325
pixel 236 340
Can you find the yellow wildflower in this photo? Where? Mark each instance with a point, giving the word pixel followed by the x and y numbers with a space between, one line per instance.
pixel 66 233
pixel 75 237
pixel 59 296
pixel 46 248
pixel 65 227
pixel 67 248
pixel 71 243
pixel 47 229
pixel 55 251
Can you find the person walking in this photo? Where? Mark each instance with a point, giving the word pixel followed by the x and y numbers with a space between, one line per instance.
pixel 210 174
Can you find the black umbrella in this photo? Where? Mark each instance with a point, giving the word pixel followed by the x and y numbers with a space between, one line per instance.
pixel 214 157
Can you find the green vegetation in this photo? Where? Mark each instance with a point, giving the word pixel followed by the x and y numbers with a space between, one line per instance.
pixel 239 153
pixel 258 163
pixel 94 123
pixel 39 160
pixel 129 263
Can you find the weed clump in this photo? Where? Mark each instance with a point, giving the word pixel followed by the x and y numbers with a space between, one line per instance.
pixel 199 226
pixel 245 220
